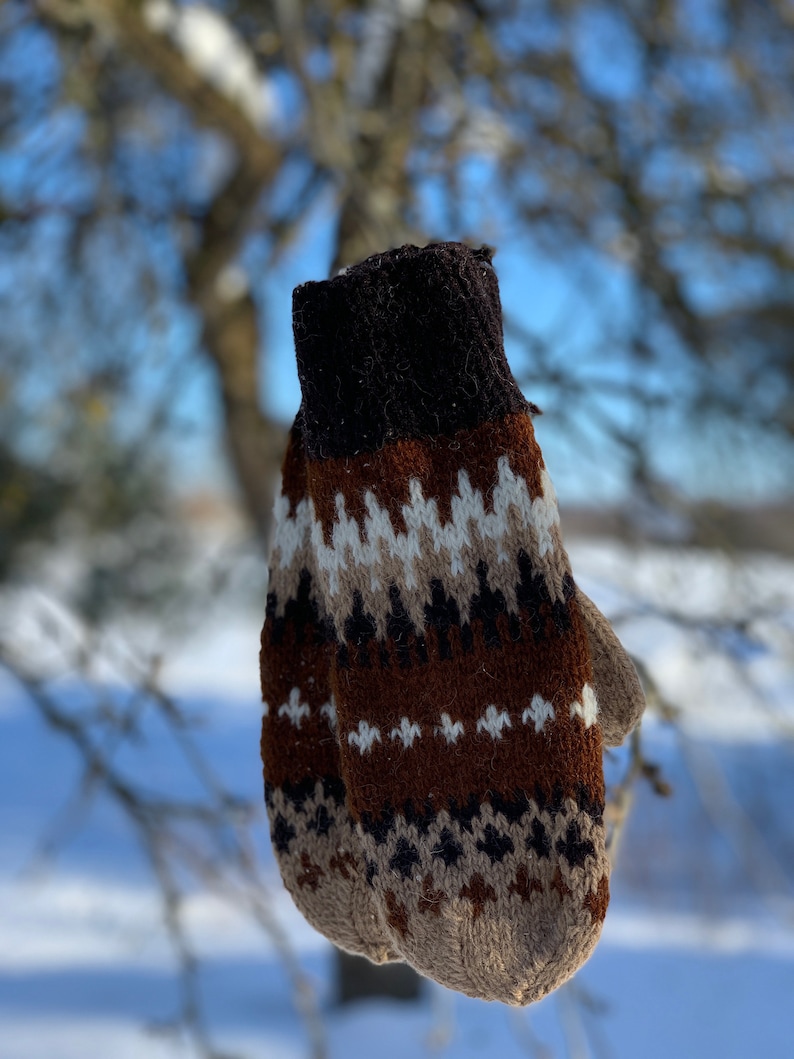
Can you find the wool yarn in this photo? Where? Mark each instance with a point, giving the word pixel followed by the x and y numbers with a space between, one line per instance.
pixel 311 831
pixel 437 689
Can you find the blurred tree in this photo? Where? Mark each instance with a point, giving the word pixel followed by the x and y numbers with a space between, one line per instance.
pixel 647 142
pixel 159 159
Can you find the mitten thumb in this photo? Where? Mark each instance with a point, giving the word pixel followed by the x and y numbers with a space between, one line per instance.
pixel 621 700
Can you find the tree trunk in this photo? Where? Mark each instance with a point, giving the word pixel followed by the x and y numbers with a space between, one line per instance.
pixel 357 978
pixel 255 444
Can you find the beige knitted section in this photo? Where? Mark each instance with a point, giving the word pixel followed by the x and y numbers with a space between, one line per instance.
pixel 621 699
pixel 503 919
pixel 324 872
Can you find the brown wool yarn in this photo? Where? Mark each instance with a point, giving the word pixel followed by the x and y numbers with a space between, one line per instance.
pixel 437 689
pixel 318 854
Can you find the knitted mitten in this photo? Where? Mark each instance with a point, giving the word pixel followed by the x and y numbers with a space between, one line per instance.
pixel 467 718
pixel 617 686
pixel 317 851
pixel 333 898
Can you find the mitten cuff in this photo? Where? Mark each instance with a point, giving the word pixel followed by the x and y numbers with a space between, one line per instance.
pixel 407 344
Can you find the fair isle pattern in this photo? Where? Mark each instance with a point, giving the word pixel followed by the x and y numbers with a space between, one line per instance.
pixel 311 830
pixel 432 744
pixel 296 711
pixel 454 542
pixel 364 737
pixel 320 861
pixel 292 555
pixel 494 722
pixel 451 730
pixel 539 711
pixel 468 721
pixel 294 708
pixel 367 558
pixel 472 863
pixel 407 732
pixel 318 854
pixel 291 535
pixel 292 575
pixel 536 877
pixel 328 710
pixel 587 709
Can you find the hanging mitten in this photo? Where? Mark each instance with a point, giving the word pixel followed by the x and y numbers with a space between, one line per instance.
pixel 315 845
pixel 467 719
pixel 311 830
pixel 617 686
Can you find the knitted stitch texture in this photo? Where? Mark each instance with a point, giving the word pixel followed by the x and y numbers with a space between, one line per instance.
pixel 319 858
pixel 434 617
pixel 615 679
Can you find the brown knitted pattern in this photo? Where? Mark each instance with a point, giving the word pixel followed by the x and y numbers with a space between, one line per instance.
pixel 467 721
pixel 436 688
pixel 319 859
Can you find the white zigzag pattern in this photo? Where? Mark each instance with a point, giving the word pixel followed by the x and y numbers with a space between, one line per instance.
pixel 587 709
pixel 294 709
pixel 407 732
pixel 449 729
pixel 510 498
pixel 291 532
pixel 364 737
pixel 539 711
pixel 493 721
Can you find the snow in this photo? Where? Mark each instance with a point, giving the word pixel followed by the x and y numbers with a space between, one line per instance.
pixel 653 1004
pixel 697 955
pixel 731 684
pixel 84 922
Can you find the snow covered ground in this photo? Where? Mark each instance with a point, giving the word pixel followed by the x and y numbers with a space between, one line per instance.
pixel 697 956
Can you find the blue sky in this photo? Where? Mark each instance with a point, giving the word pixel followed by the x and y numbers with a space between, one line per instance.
pixel 105 304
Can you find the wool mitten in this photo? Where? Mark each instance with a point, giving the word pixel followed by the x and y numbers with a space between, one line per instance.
pixel 467 720
pixel 316 848
pixel 617 686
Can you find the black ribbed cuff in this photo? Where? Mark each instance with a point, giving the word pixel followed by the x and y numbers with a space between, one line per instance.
pixel 407 344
